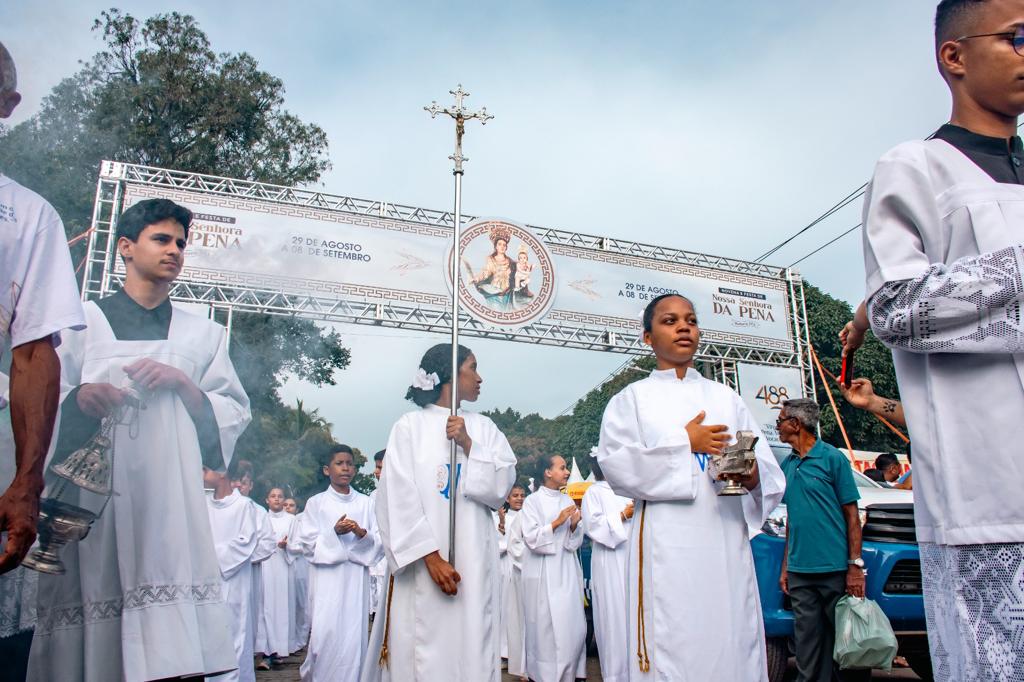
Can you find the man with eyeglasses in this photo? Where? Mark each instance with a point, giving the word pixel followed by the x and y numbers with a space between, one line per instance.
pixel 944 255
pixel 822 559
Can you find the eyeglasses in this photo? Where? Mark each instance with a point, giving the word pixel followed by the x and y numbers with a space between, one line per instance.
pixel 782 420
pixel 1016 37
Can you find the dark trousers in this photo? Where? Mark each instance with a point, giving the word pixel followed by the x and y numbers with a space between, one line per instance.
pixel 814 597
pixel 14 656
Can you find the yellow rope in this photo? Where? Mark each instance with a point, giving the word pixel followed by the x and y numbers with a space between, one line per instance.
pixel 383 660
pixel 641 626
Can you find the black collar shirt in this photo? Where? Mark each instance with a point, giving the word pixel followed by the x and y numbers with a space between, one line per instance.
pixel 1002 158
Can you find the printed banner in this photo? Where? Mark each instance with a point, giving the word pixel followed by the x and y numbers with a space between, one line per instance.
pixel 764 388
pixel 510 277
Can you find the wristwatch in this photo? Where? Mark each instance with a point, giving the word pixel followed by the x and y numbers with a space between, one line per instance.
pixel 858 562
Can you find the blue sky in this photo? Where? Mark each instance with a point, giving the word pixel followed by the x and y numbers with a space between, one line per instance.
pixel 712 126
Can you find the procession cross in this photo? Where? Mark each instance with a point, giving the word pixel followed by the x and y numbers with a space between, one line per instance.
pixel 461 115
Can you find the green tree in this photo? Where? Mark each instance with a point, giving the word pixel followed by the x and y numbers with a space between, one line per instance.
pixel 157 94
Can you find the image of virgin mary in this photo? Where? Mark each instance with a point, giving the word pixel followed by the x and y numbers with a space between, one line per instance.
pixel 495 281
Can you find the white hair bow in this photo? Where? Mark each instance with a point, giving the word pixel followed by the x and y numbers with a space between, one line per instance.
pixel 424 381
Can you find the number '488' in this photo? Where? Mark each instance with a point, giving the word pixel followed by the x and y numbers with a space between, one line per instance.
pixel 773 395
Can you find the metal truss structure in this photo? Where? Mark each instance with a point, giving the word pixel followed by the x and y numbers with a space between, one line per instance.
pixel 102 278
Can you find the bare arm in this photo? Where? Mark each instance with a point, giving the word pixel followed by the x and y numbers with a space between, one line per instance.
pixel 35 388
pixel 861 394
pixel 854 575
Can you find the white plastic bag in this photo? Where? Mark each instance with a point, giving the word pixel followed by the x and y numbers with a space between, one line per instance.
pixel 864 637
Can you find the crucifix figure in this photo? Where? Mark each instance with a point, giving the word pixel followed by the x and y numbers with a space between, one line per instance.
pixel 461 115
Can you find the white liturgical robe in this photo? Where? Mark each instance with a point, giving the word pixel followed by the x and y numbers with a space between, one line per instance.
pixel 512 604
pixel 340 581
pixel 602 522
pixel 242 534
pixel 142 598
pixel 701 609
pixel 556 627
pixel 944 255
pixel 300 568
pixel 275 637
pixel 433 636
pixel 506 577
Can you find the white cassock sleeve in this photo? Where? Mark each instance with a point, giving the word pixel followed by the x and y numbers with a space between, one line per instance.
pixel 290 550
pixel 574 538
pixel 665 471
pixel 236 551
pixel 366 551
pixel 603 524
pixel 502 537
pixel 516 546
pixel 971 305
pixel 763 499
pixel 228 399
pixel 403 523
pixel 537 532
pixel 266 542
pixel 314 541
pixel 490 467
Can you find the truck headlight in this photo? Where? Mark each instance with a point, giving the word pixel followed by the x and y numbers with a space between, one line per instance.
pixel 775 525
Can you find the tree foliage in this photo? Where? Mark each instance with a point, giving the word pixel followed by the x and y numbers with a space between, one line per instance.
pixel 157 94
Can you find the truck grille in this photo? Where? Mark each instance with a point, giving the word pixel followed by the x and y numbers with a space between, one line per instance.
pixel 905 578
pixel 890 523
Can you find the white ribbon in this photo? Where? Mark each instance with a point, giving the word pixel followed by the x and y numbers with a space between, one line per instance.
pixel 424 381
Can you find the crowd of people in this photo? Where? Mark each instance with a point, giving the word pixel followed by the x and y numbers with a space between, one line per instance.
pixel 172 582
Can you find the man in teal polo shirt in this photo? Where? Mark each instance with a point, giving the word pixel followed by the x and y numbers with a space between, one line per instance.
pixel 822 558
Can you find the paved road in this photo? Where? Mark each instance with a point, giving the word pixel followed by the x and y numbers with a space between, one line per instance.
pixel 289 672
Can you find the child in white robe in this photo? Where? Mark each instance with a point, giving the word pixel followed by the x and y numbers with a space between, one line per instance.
pixel 242 534
pixel 438 621
pixel 300 569
pixel 690 568
pixel 278 623
pixel 556 627
pixel 504 518
pixel 338 533
pixel 606 521
pixel 515 619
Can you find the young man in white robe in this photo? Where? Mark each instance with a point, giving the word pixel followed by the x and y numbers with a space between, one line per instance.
pixel 303 615
pixel 275 638
pixel 504 517
pixel 439 621
pixel 338 532
pixel 379 569
pixel 556 625
pixel 694 610
pixel 142 598
pixel 606 521
pixel 242 535
pixel 944 262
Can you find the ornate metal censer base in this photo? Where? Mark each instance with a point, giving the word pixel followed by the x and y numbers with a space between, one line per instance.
pixel 735 462
pixel 59 524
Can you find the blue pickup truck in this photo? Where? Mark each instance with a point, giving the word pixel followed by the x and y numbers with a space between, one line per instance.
pixel 894 575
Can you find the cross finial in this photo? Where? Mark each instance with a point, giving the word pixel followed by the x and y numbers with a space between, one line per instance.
pixel 461 115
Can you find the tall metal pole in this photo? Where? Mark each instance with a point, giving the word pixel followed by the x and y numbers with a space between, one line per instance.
pixel 461 115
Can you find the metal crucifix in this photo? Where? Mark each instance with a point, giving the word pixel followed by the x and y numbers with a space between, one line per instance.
pixel 461 115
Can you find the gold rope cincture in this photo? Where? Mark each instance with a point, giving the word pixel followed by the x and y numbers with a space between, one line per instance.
pixel 383 660
pixel 641 627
